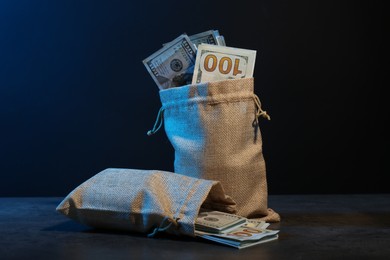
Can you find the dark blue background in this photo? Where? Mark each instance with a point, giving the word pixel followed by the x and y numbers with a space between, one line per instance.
pixel 75 97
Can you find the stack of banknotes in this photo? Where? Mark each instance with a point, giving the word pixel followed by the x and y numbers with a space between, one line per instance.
pixel 198 58
pixel 232 230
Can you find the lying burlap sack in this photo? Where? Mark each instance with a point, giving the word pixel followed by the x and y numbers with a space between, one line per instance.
pixel 144 201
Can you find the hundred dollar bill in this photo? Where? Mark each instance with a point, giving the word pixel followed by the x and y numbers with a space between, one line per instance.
pixel 173 65
pixel 259 224
pixel 210 37
pixel 216 221
pixel 245 234
pixel 215 63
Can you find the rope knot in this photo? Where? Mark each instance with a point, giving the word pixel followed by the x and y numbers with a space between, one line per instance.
pixel 259 111
pixel 158 123
pixel 264 114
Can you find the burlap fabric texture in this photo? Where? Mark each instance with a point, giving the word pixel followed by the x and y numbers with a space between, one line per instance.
pixel 214 130
pixel 146 201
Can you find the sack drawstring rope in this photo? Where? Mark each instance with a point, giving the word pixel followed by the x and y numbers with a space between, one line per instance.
pixel 158 123
pixel 161 228
pixel 259 111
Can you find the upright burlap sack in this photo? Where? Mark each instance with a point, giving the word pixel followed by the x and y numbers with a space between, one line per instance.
pixel 214 130
pixel 146 201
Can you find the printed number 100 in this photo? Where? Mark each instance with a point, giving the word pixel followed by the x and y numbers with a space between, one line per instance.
pixel 225 64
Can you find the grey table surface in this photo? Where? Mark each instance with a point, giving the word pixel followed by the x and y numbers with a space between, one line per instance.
pixel 312 227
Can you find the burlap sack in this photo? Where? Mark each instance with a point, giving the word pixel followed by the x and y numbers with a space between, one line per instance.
pixel 214 130
pixel 144 201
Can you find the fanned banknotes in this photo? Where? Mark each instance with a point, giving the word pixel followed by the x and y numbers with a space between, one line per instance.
pixel 173 65
pixel 201 57
pixel 233 230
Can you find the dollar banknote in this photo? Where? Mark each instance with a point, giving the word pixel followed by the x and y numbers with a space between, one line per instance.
pixel 210 37
pixel 216 221
pixel 215 63
pixel 259 224
pixel 243 233
pixel 173 65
